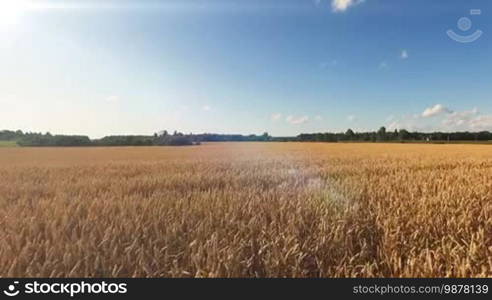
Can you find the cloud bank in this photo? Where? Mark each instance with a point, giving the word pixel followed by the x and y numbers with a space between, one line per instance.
pixel 297 120
pixel 440 118
pixel 343 5
pixel 435 110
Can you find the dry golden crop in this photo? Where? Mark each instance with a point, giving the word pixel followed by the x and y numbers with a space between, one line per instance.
pixel 247 210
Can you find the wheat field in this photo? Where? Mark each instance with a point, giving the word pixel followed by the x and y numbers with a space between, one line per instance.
pixel 247 210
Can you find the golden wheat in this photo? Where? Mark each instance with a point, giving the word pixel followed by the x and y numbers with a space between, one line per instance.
pixel 247 210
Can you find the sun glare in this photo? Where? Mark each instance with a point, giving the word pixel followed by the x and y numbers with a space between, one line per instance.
pixel 11 11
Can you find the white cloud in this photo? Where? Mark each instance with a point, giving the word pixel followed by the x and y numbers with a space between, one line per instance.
pixel 206 108
pixel 457 119
pixel 404 54
pixel 318 118
pixel 351 118
pixel 470 120
pixel 408 122
pixel 435 110
pixel 383 65
pixel 445 120
pixel 404 124
pixel 276 116
pixel 481 123
pixel 343 5
pixel 113 99
pixel 297 120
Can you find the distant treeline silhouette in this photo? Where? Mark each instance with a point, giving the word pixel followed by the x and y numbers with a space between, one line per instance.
pixel 33 139
pixel 382 135
pixel 163 138
pixel 44 140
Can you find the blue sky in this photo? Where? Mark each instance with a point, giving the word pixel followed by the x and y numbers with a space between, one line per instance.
pixel 243 66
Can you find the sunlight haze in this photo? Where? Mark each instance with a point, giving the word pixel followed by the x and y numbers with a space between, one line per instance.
pixel 285 67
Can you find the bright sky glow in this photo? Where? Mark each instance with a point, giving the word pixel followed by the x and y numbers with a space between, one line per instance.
pixel 11 11
pixel 102 67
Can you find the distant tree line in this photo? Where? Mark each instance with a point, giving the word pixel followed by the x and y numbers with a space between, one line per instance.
pixel 178 138
pixel 209 137
pixel 382 135
pixel 164 138
pixel 9 135
pixel 30 139
pixel 125 140
pixel 48 140
pixel 44 140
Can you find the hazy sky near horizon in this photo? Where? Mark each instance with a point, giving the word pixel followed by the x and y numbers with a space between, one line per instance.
pixel 243 66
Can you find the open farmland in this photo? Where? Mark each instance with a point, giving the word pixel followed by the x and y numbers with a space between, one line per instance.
pixel 8 144
pixel 247 210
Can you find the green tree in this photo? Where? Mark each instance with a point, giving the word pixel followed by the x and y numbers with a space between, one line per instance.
pixel 382 133
pixel 403 135
pixel 350 134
